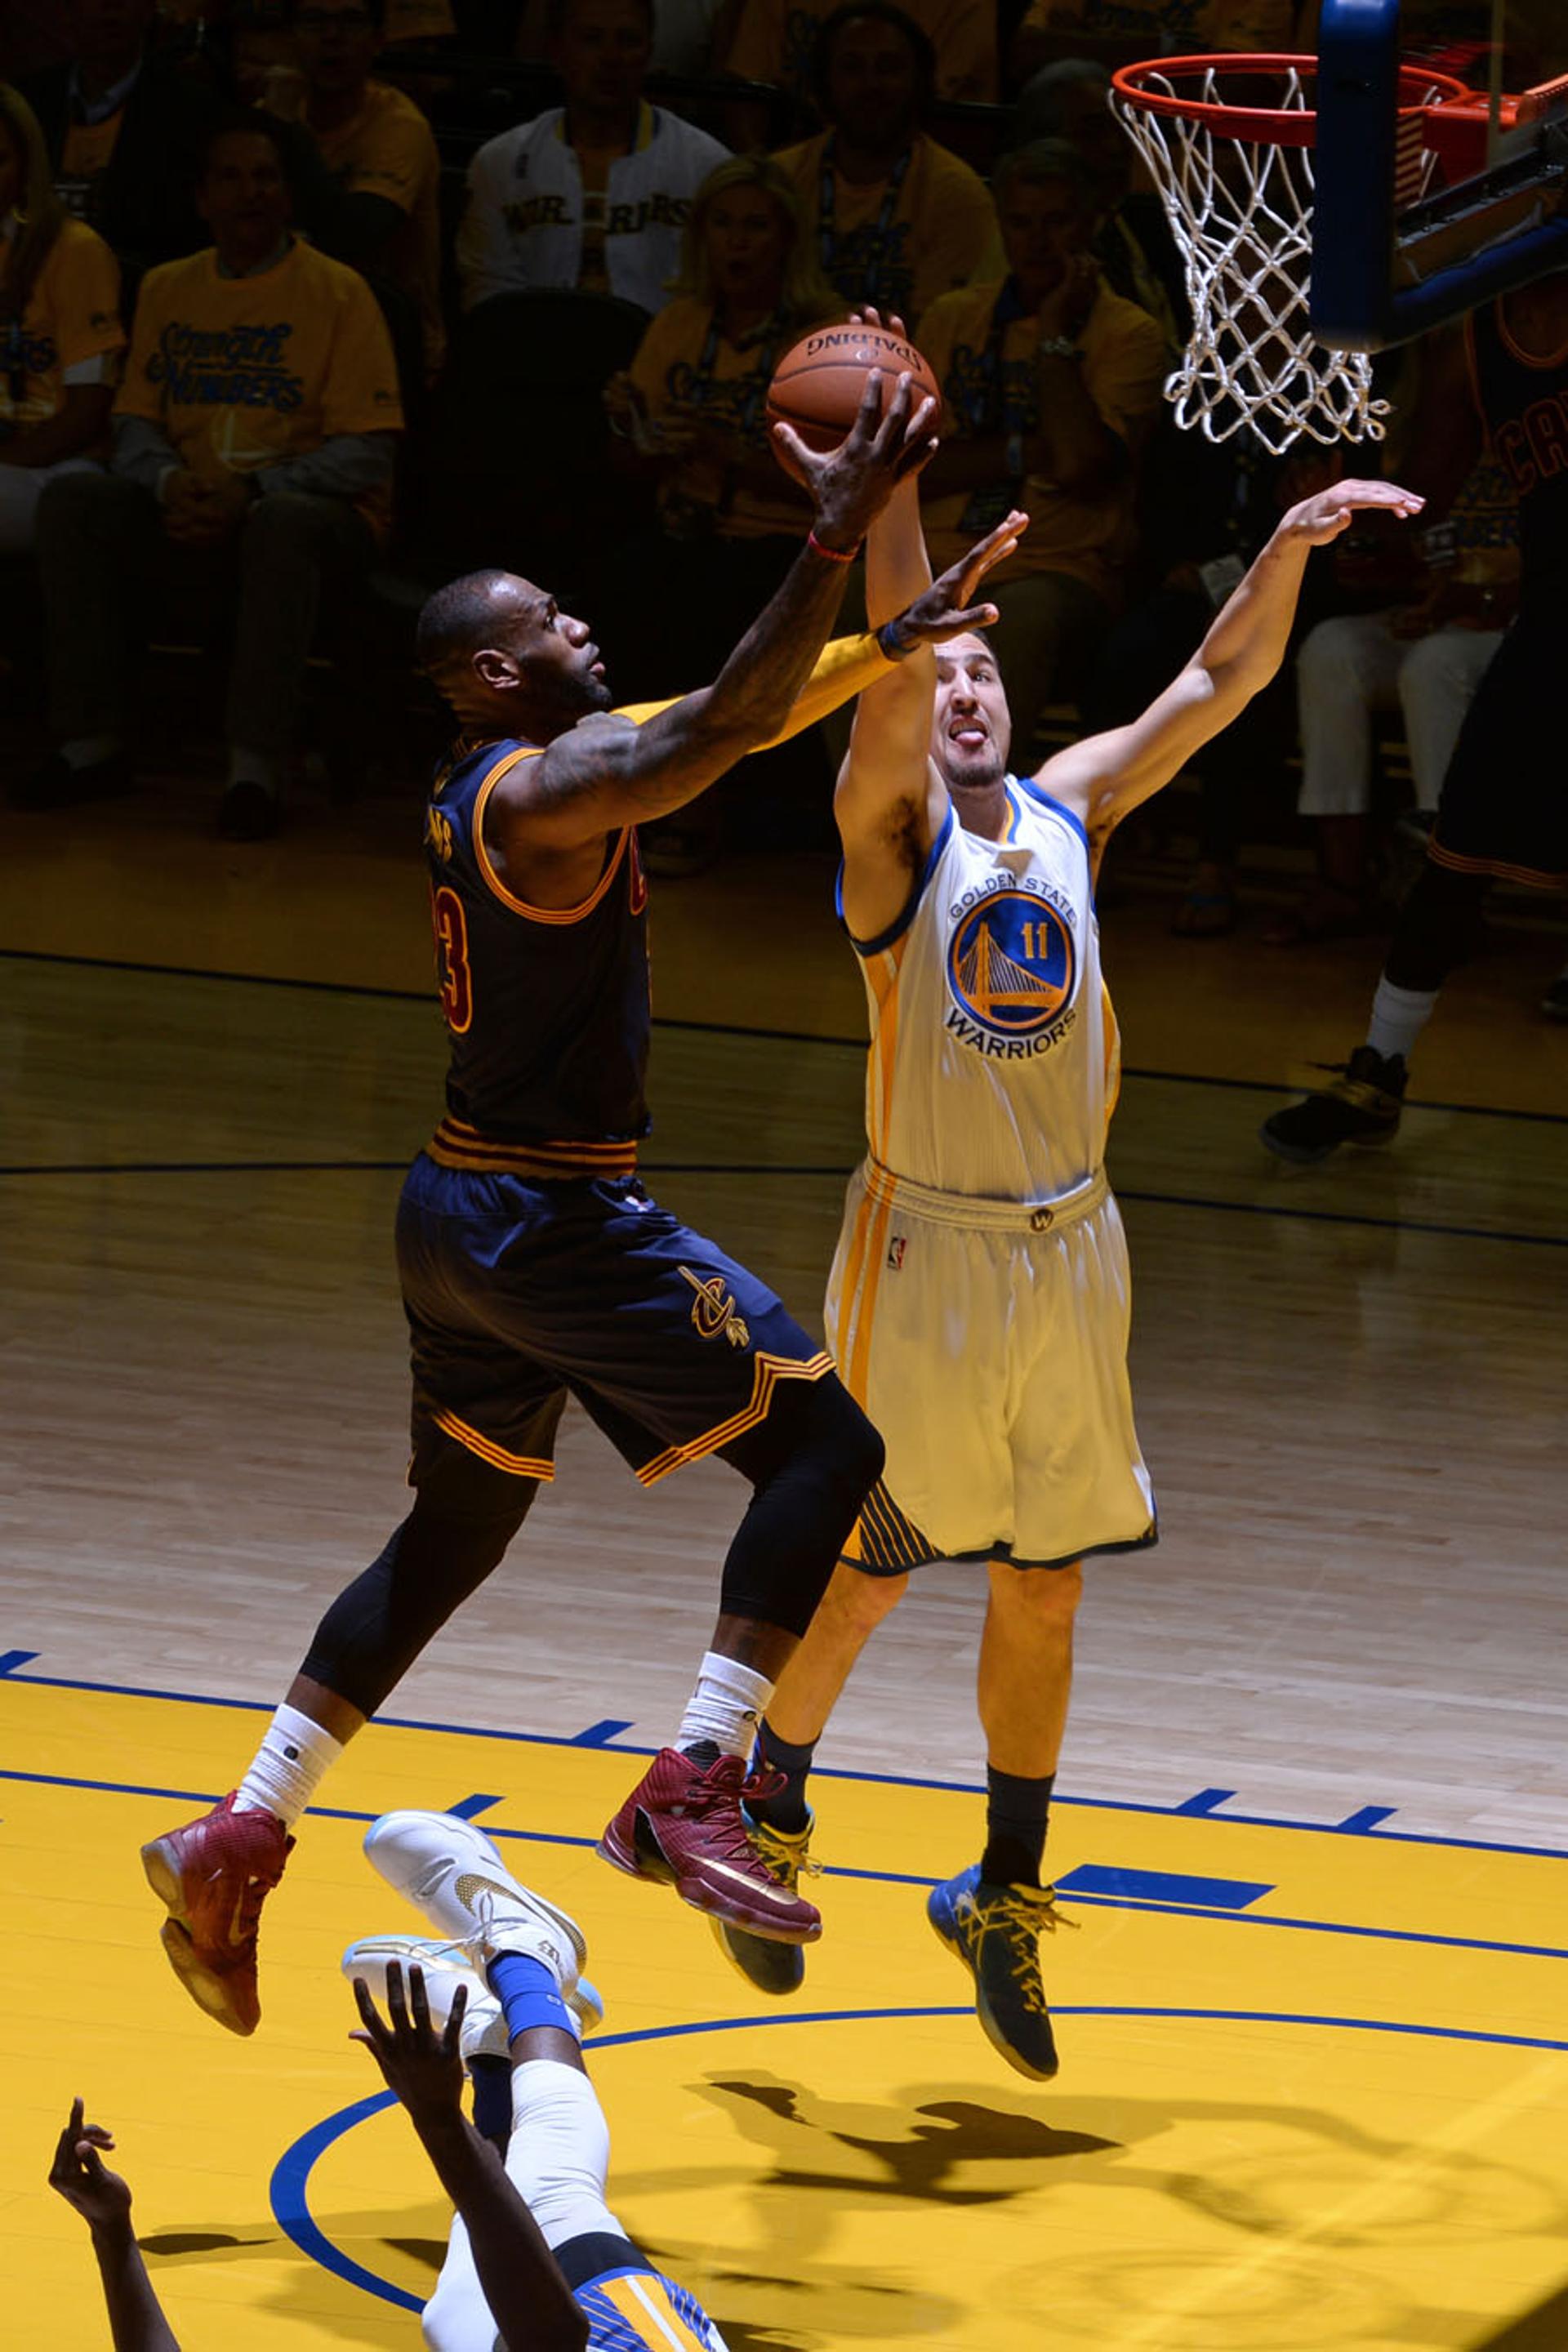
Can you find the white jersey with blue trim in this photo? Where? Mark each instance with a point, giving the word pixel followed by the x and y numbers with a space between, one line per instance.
pixel 993 1061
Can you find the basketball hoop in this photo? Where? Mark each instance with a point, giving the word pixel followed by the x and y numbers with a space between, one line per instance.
pixel 1229 143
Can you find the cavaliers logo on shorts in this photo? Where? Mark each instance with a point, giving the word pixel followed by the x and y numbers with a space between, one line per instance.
pixel 1012 970
pixel 713 1311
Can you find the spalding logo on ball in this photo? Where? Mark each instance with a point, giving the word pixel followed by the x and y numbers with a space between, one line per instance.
pixel 817 387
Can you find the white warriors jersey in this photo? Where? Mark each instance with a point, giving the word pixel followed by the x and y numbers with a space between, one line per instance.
pixel 994 1059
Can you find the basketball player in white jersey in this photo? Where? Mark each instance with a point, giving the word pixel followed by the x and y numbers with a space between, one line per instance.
pixel 979 1301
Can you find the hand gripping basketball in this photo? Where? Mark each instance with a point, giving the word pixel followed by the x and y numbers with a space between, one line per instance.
pixel 851 483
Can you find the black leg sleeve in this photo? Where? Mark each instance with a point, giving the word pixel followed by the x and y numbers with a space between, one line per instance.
pixel 811 1464
pixel 1436 923
pixel 464 1517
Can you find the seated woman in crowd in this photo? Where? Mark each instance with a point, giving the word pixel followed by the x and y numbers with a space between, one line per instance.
pixel 59 317
pixel 691 413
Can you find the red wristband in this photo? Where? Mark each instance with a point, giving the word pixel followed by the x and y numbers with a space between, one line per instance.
pixel 834 554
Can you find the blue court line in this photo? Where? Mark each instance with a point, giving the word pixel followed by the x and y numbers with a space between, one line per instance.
pixel 1205 1802
pixel 469 1809
pixel 1182 1889
pixel 716 1028
pixel 600 1734
pixel 1224 1912
pixel 829 1772
pixel 289 2188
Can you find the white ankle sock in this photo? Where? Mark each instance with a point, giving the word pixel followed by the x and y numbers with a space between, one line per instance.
pixel 89 751
pixel 726 1706
pixel 288 1764
pixel 1398 1017
pixel 246 767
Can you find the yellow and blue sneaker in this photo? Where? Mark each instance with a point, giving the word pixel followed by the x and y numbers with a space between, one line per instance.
pixel 996 1931
pixel 774 1967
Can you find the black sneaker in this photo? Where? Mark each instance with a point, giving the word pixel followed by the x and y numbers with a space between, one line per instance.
pixel 774 1967
pixel 996 1931
pixel 1554 1004
pixel 1363 1105
pixel 56 784
pixel 248 812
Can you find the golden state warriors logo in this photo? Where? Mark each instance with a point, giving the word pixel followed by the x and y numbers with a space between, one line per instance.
pixel 714 1310
pixel 1012 966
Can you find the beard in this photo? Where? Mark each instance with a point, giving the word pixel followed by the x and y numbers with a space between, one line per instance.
pixel 973 772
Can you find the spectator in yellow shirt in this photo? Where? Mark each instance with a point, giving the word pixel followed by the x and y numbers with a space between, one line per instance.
pixel 896 219
pixel 379 148
pixel 692 408
pixel 773 41
pixel 1050 384
pixel 60 334
pixel 254 442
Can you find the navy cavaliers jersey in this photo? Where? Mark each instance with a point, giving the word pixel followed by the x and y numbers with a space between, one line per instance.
pixel 1525 406
pixel 547 1007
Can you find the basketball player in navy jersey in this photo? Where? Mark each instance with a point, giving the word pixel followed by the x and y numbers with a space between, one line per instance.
pixel 533 1265
pixel 979 1302
pixel 1502 812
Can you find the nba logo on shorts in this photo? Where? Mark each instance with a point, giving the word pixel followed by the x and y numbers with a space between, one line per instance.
pixel 896 1252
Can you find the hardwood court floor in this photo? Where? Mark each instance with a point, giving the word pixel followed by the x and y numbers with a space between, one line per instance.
pixel 1349 1380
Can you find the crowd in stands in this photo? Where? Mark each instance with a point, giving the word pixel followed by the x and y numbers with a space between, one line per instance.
pixel 303 295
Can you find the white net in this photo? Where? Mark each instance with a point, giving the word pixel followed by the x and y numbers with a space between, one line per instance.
pixel 1241 213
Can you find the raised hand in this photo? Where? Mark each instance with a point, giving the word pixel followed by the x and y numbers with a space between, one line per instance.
pixel 423 2067
pixel 1322 517
pixel 80 2175
pixel 851 483
pixel 944 610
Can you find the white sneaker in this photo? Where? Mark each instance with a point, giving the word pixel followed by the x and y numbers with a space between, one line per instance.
pixel 454 1874
pixel 445 1966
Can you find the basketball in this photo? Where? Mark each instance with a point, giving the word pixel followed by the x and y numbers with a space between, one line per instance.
pixel 817 387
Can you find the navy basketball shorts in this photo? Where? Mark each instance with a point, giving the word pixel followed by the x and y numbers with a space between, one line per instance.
pixel 1504 808
pixel 519 1294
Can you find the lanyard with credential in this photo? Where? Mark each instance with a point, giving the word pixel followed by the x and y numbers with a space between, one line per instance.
pixel 999 397
pixel 880 238
pixel 770 335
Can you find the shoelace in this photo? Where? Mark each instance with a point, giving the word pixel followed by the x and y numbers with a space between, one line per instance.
pixel 715 1797
pixel 782 1855
pixel 1019 1917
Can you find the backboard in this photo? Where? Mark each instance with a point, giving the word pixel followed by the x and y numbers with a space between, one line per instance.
pixel 1400 244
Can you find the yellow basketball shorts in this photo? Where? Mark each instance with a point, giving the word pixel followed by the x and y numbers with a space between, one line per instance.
pixel 988 1343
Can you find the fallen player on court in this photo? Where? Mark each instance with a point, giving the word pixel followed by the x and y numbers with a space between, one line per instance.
pixel 537 2260
pixel 533 1263
pixel 979 1303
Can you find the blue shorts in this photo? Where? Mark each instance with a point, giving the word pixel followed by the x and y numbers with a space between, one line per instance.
pixel 519 1294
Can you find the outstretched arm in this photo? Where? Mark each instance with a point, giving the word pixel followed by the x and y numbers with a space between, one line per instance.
pixel 889 800
pixel 78 2175
pixel 604 775
pixel 1104 778
pixel 533 2308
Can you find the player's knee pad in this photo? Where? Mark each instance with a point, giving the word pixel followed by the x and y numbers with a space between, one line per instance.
pixel 812 1464
pixel 1436 925
pixel 455 1534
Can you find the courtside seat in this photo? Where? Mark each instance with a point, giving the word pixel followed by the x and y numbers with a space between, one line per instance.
pixel 519 472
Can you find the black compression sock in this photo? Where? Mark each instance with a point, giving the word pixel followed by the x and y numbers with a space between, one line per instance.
pixel 788 1810
pixel 1018 1813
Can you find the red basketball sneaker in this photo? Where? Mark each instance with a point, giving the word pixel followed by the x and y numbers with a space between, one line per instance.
pixel 215 1874
pixel 683 1823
